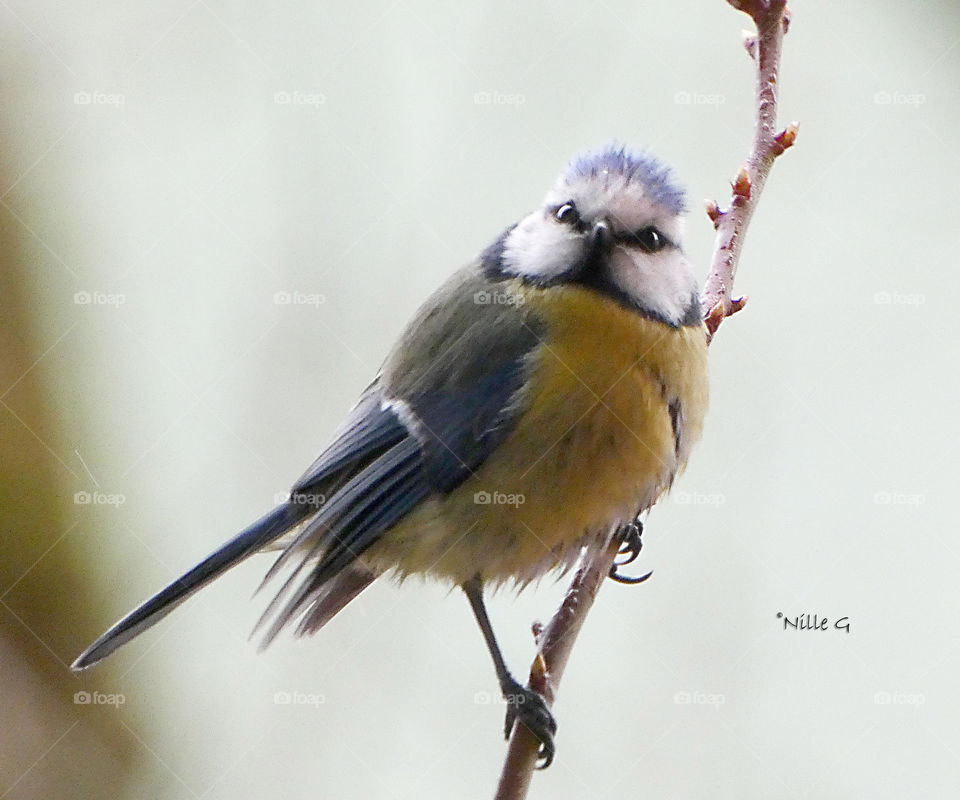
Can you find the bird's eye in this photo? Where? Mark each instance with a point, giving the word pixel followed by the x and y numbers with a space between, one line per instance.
pixel 568 214
pixel 651 240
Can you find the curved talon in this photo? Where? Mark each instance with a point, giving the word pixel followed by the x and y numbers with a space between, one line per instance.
pixel 630 547
pixel 531 710
pixel 627 579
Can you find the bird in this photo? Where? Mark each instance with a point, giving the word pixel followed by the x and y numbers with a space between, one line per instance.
pixel 540 401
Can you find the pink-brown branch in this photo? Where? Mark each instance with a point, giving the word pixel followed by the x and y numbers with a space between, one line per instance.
pixel 772 19
pixel 555 642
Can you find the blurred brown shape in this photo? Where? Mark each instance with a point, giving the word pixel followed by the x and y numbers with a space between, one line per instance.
pixel 50 745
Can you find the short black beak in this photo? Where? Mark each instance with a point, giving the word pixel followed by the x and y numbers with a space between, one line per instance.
pixel 600 236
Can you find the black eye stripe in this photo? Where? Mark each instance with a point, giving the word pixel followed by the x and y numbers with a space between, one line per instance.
pixel 641 238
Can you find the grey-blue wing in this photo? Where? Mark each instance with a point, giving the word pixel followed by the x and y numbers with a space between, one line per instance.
pixel 453 386
pixel 369 430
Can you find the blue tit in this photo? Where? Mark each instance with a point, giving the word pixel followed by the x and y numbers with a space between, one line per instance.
pixel 545 395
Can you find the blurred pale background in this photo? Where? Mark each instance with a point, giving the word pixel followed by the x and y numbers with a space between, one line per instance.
pixel 168 168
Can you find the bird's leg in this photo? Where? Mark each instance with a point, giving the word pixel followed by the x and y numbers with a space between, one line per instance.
pixel 631 546
pixel 523 704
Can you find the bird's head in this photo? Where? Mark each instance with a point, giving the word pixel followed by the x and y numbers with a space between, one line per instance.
pixel 612 223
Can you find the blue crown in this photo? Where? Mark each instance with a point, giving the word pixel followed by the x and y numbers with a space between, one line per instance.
pixel 655 176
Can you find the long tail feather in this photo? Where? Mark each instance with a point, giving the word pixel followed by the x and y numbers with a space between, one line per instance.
pixel 265 530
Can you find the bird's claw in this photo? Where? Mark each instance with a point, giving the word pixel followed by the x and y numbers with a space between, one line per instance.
pixel 631 545
pixel 530 709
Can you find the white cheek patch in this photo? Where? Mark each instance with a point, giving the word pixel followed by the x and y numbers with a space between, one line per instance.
pixel 661 283
pixel 541 248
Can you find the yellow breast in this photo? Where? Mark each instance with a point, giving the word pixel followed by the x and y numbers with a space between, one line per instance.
pixel 594 445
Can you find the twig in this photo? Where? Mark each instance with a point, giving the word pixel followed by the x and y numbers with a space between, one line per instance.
pixel 772 19
pixel 555 642
pixel 554 645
